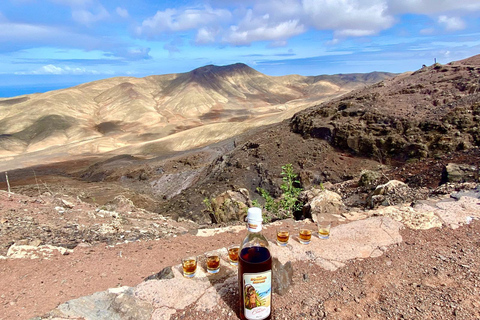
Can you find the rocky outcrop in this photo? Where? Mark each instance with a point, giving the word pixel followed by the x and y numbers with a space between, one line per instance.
pixel 394 192
pixel 403 118
pixel 229 206
pixel 455 172
pixel 366 133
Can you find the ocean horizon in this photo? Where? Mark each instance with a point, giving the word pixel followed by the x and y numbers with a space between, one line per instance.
pixel 19 90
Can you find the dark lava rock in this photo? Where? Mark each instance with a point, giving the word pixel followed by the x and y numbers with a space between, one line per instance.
pixel 282 276
pixel 166 273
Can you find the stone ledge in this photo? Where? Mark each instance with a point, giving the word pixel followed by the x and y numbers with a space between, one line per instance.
pixel 360 239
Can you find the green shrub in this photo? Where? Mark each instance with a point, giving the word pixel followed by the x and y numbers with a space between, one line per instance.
pixel 288 203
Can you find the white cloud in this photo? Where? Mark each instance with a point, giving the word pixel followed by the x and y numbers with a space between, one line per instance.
pixel 353 33
pixel 262 26
pixel 172 20
pixel 348 17
pixel 74 3
pixel 122 12
pixel 452 23
pixel 51 69
pixel 10 31
pixel 205 35
pixel 427 31
pixel 430 7
pixel 266 32
pixel 17 36
pixel 277 21
pixel 86 12
pixel 87 18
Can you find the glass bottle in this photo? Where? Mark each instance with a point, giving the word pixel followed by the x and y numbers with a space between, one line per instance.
pixel 255 271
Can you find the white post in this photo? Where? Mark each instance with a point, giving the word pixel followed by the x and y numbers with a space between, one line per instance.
pixel 8 183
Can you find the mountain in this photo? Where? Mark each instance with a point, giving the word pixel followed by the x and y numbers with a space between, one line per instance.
pixel 407 128
pixel 414 115
pixel 154 114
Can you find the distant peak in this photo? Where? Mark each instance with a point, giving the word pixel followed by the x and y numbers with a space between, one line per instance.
pixel 231 68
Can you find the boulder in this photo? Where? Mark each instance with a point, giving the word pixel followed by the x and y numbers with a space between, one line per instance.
pixel 394 192
pixel 121 204
pixel 318 201
pixel 231 205
pixel 454 172
pixel 389 187
pixel 368 178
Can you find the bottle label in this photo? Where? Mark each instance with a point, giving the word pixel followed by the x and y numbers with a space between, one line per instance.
pixel 254 226
pixel 257 295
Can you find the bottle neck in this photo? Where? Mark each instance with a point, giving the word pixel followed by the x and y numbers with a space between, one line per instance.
pixel 254 226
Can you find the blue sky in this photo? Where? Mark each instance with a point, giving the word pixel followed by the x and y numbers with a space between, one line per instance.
pixel 51 44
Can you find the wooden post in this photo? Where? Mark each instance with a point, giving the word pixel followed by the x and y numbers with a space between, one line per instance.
pixel 8 183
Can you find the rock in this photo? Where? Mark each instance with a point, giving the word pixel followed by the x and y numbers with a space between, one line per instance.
pixel 282 276
pixel 411 217
pixel 308 178
pixel 230 206
pixel 172 293
pixel 60 209
pixel 67 204
pixel 474 193
pixel 368 178
pixel 121 204
pixel 454 172
pixel 35 252
pixel 166 273
pixel 35 243
pixel 388 187
pixel 106 305
pixel 457 213
pixel 143 176
pixel 319 201
pixel 394 192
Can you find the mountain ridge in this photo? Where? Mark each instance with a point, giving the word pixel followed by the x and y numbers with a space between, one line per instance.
pixel 113 113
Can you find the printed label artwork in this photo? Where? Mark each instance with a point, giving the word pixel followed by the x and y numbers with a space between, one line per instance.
pixel 257 289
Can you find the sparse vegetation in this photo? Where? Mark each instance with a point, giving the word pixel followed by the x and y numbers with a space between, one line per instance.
pixel 209 208
pixel 288 203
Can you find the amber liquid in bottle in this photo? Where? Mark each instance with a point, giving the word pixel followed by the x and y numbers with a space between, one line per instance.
pixel 252 260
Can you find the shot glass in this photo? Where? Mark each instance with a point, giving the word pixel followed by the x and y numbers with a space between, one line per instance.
pixel 282 236
pixel 189 265
pixel 213 262
pixel 323 225
pixel 304 235
pixel 233 254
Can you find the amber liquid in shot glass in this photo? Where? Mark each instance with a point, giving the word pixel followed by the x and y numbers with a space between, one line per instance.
pixel 213 263
pixel 189 266
pixel 233 254
pixel 305 236
pixel 324 232
pixel 282 237
pixel 323 227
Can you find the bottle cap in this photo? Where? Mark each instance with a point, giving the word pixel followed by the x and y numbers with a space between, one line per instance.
pixel 254 219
